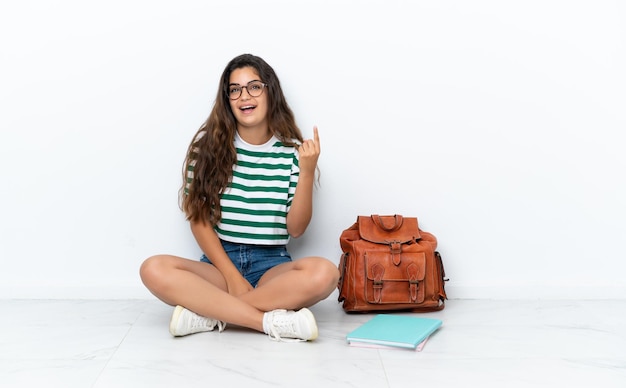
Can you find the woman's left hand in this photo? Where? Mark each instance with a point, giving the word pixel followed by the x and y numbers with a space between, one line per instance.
pixel 309 152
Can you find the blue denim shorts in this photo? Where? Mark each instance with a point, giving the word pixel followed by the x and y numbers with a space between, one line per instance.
pixel 253 261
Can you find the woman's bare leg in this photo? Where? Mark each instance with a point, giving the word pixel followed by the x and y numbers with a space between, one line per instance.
pixel 198 287
pixel 201 288
pixel 293 285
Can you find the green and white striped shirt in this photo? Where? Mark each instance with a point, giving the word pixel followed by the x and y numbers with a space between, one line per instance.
pixel 256 202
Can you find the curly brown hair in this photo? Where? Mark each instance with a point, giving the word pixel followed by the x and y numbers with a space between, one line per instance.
pixel 211 155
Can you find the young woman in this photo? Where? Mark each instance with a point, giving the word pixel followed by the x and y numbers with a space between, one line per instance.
pixel 248 182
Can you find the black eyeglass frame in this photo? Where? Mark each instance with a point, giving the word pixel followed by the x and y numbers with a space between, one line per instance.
pixel 263 86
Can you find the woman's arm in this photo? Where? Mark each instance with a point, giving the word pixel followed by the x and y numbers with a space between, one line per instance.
pixel 301 209
pixel 210 244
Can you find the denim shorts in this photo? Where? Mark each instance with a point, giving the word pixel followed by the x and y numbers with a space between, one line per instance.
pixel 253 261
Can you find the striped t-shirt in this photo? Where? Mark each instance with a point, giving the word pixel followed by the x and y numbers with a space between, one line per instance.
pixel 256 201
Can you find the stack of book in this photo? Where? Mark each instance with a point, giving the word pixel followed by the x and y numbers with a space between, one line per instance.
pixel 394 331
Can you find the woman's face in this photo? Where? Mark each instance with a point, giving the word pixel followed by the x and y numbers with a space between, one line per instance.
pixel 250 112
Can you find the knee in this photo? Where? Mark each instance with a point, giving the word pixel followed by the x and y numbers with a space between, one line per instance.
pixel 152 270
pixel 325 276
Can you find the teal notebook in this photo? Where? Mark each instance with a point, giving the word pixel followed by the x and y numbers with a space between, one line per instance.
pixel 404 331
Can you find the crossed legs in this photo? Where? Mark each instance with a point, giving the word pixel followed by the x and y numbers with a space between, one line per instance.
pixel 201 288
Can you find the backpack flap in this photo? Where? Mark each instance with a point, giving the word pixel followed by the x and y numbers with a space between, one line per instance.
pixel 388 229
pixel 395 283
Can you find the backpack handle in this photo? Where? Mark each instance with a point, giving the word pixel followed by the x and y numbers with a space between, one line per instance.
pixel 379 221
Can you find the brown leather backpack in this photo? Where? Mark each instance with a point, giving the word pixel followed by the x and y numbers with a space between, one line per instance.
pixel 388 263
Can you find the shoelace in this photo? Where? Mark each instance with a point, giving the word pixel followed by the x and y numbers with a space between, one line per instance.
pixel 283 325
pixel 220 325
pixel 201 322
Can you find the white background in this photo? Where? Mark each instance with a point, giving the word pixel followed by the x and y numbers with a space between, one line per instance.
pixel 498 124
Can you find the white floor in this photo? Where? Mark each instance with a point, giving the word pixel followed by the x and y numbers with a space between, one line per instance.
pixel 482 343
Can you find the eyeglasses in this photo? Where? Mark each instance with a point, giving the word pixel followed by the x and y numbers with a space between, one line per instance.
pixel 254 88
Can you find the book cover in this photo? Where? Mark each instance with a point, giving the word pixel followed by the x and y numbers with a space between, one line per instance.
pixel 404 331
pixel 357 344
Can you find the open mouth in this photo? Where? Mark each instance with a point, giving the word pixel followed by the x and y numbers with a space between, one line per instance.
pixel 247 108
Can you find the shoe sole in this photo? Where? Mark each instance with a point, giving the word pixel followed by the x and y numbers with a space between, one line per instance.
pixel 173 322
pixel 311 318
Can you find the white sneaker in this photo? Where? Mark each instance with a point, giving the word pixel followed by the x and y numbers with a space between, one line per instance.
pixel 186 322
pixel 295 325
